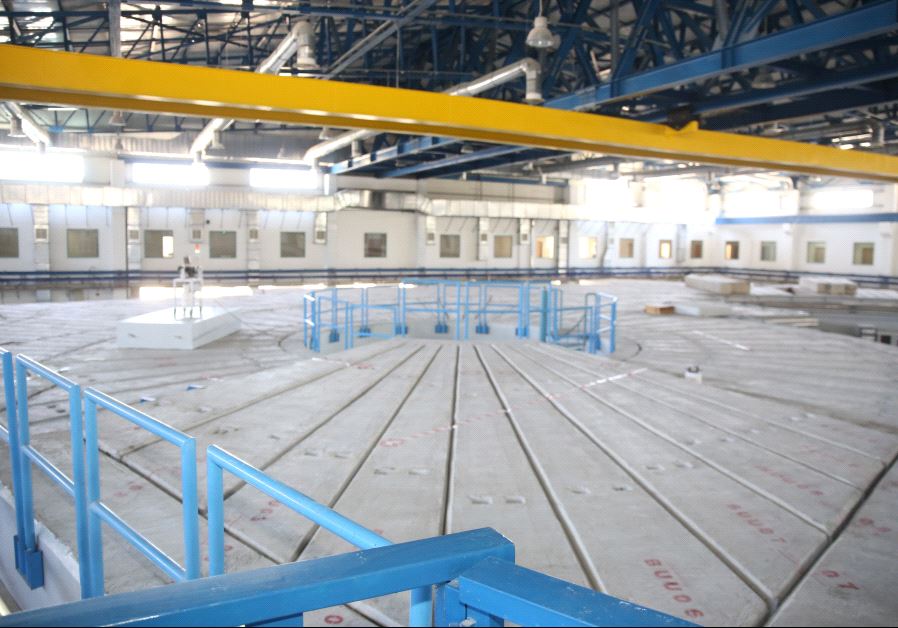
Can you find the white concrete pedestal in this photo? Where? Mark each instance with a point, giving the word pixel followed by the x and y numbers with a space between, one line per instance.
pixel 161 330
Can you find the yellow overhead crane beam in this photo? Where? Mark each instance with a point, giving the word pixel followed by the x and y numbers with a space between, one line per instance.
pixel 64 78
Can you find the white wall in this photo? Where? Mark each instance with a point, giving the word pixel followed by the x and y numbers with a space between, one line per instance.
pixel 647 224
pixel 18 216
pixel 108 221
pixel 346 238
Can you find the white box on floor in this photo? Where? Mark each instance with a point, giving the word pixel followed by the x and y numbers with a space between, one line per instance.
pixel 161 330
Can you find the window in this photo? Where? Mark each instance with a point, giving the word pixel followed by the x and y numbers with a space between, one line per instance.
pixel 863 253
pixel 697 249
pixel 625 249
pixel 731 250
pixel 545 247
pixel 83 243
pixel 41 234
pixel 9 242
pixel 816 252
pixel 885 339
pixel 159 244
pixel 665 249
pixel 293 244
pixel 375 245
pixel 450 245
pixel 768 251
pixel 431 237
pixel 253 235
pixel 502 246
pixel 589 247
pixel 223 244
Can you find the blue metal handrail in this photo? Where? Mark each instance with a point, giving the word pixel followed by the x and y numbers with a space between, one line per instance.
pixel 323 309
pixel 217 460
pixel 29 559
pixel 474 573
pixel 98 512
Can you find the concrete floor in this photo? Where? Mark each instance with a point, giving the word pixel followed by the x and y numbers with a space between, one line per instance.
pixel 764 495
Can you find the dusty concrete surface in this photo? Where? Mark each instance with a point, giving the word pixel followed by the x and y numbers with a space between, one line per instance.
pixel 721 502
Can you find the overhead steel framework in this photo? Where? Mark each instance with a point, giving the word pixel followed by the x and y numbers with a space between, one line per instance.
pixel 766 66
pixel 39 76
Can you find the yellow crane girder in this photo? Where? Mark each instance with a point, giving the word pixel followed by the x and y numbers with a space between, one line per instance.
pixel 64 78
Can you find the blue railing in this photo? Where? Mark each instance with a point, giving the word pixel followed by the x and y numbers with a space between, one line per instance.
pixel 83 485
pixel 99 513
pixel 29 560
pixel 218 459
pixel 453 306
pixel 473 572
pixel 476 580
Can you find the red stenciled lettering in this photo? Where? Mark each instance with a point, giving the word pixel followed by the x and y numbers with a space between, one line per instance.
pixel 673 586
pixel 849 585
pixel 830 574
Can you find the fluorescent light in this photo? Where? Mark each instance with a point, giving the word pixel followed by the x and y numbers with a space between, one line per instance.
pixel 177 175
pixel 283 178
pixel 840 200
pixel 36 166
pixel 846 146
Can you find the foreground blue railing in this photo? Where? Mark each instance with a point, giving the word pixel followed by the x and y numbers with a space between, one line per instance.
pixel 474 572
pixel 454 306
pixel 99 513
pixel 218 459
pixel 29 560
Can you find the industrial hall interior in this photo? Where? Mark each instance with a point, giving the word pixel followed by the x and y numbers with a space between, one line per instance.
pixel 449 312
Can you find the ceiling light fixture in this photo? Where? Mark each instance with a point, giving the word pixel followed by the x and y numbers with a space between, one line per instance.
pixel 540 37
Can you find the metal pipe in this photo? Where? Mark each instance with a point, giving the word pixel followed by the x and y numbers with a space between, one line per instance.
pixel 298 35
pixel 530 68
pixel 615 35
pixel 378 36
pixel 30 126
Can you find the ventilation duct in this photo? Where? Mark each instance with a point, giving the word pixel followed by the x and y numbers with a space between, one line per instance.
pixel 530 68
pixel 300 38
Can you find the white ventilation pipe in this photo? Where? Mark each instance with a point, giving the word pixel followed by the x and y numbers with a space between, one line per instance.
pixel 305 47
pixel 30 126
pixel 301 34
pixel 528 67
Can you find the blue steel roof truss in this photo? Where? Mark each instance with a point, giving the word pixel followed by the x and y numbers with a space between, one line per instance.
pixel 673 55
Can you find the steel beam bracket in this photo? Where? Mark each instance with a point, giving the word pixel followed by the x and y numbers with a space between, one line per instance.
pixel 29 563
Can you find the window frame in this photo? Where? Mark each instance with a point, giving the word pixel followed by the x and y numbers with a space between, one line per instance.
pixel 368 251
pixel 68 243
pixel 213 236
pixel 301 244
